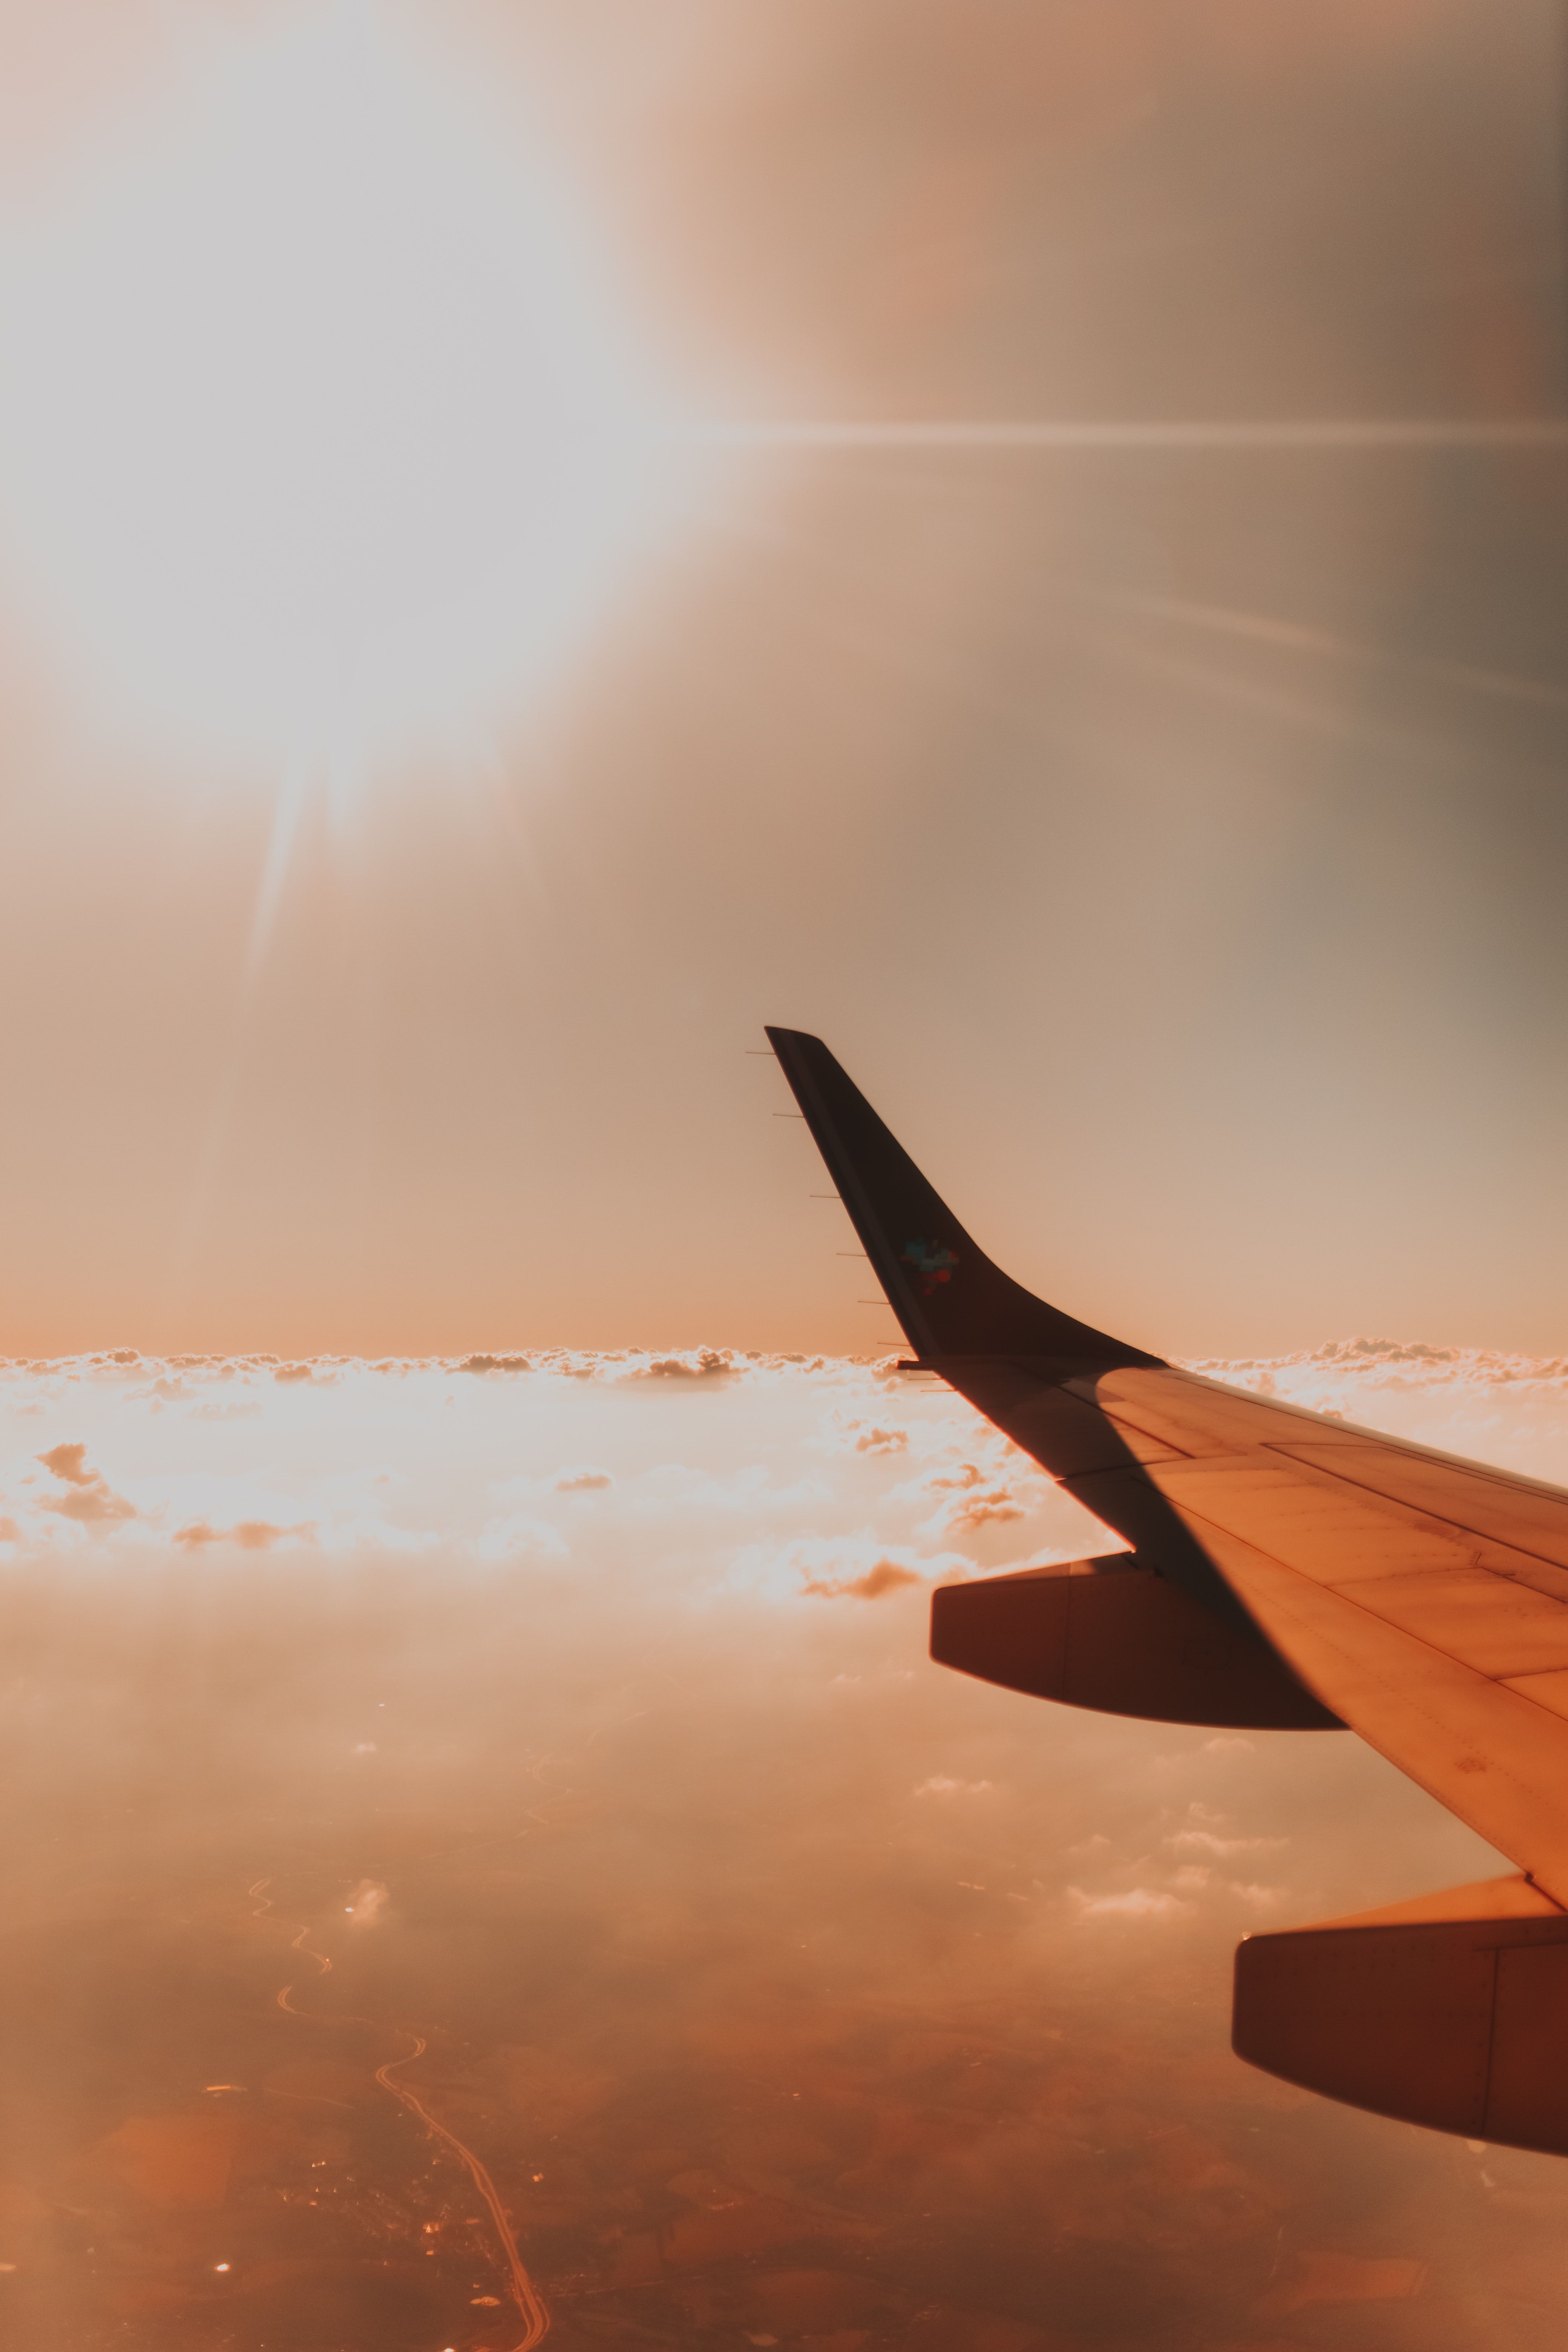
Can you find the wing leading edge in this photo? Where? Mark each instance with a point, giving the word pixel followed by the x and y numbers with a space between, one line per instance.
pixel 1287 1571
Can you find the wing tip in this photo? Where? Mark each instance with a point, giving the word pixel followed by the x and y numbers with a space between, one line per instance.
pixel 949 1298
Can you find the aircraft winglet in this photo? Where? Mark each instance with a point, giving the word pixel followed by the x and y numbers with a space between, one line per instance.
pixel 946 1293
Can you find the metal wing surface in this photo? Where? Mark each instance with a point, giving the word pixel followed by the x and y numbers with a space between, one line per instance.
pixel 1423 1599
pixel 1287 1570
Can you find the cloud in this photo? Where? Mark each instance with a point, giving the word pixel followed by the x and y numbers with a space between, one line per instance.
pixel 94 1505
pixel 249 1535
pixel 90 1500
pixel 1212 1833
pixel 884 1576
pixel 68 1461
pixel 993 1507
pixel 848 1433
pixel 585 1481
pixel 1222 1849
pixel 827 1568
pixel 941 1785
pixel 972 1493
pixel 1142 1902
pixel 366 1902
pixel 695 1364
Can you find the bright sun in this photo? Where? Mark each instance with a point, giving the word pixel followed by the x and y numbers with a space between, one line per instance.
pixel 322 435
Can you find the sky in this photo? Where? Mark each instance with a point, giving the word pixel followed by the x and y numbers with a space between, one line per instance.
pixel 535 538
pixel 451 701
pixel 787 1989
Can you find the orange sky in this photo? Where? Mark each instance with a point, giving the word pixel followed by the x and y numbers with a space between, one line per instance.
pixel 1171 844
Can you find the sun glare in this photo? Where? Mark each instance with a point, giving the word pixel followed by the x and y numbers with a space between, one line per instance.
pixel 323 435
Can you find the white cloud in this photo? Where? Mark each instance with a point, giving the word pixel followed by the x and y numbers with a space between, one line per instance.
pixel 367 1903
pixel 839 1568
pixel 1222 1849
pixel 88 1498
pixel 694 1364
pixel 836 1481
pixel 249 1535
pixel 1215 1835
pixel 1142 1902
pixel 848 1432
pixel 988 1483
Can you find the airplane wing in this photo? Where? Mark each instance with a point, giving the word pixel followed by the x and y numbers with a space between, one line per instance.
pixel 1287 1571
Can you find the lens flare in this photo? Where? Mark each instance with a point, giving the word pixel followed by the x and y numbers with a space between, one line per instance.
pixel 323 435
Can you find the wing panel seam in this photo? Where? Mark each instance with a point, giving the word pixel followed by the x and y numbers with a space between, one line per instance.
pixel 1321 1470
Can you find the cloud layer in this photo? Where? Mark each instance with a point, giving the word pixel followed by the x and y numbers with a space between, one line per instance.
pixel 557 1742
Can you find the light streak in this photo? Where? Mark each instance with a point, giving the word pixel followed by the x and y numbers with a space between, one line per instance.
pixel 1222 435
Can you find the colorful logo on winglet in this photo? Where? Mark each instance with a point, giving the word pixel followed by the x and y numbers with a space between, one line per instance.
pixel 932 1261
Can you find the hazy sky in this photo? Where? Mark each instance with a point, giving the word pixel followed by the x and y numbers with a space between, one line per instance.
pixel 427 759
pixel 789 1989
